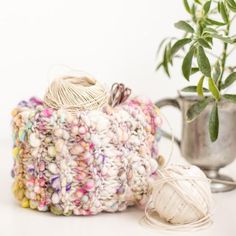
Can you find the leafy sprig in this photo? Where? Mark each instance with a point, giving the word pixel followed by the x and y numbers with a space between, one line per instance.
pixel 209 21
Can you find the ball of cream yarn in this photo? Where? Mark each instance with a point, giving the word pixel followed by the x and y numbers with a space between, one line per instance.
pixel 76 93
pixel 181 197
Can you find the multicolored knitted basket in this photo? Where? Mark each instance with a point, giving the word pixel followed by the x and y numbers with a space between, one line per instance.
pixel 83 164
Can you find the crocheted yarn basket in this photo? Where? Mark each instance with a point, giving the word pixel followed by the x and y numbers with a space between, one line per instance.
pixel 100 160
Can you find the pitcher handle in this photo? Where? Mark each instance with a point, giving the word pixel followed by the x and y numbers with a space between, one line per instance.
pixel 169 102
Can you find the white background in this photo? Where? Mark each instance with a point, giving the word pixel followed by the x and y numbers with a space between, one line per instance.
pixel 115 41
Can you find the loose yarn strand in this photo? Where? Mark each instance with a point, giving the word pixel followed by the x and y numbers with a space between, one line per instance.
pixel 224 182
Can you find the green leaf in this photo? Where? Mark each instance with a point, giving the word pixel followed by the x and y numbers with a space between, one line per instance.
pixel 198 2
pixel 214 22
pixel 209 39
pixel 183 25
pixel 193 89
pixel 193 12
pixel 169 58
pixel 207 6
pixel 165 61
pixel 224 13
pixel 187 63
pixel 218 6
pixel 230 97
pixel 200 87
pixel 178 45
pixel 194 70
pixel 160 46
pixel 162 43
pixel 222 38
pixel 203 62
pixel 217 71
pixel 214 123
pixel 204 43
pixel 213 88
pixel 159 66
pixel 229 80
pixel 186 5
pixel 232 8
pixel 209 30
pixel 195 110
pixel 232 5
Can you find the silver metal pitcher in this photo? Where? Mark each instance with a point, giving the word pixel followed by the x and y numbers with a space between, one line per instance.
pixel 196 146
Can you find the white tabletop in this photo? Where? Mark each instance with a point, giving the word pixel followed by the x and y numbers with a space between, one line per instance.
pixel 15 220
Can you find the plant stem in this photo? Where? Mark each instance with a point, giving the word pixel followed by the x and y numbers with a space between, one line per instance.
pixel 224 57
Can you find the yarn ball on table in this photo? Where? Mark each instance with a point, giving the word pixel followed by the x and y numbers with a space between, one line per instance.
pixel 85 163
pixel 181 197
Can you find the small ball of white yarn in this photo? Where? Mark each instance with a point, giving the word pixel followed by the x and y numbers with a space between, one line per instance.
pixel 76 94
pixel 181 196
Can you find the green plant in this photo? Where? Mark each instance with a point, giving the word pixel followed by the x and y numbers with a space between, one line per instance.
pixel 210 21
